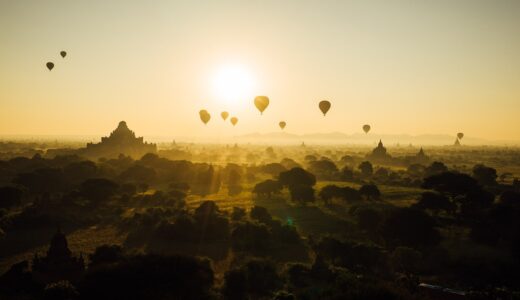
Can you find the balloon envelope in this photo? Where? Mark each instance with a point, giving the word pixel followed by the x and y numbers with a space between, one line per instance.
pixel 261 103
pixel 366 128
pixel 460 135
pixel 324 106
pixel 224 115
pixel 282 124
pixel 234 121
pixel 50 65
pixel 63 54
pixel 204 116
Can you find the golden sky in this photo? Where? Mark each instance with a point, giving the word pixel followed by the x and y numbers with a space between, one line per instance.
pixel 416 67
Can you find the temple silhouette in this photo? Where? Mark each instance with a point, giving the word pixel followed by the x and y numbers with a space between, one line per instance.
pixel 121 141
pixel 59 263
pixel 420 158
pixel 379 154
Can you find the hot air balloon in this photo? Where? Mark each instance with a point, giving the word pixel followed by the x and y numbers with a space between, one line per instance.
pixel 366 128
pixel 224 115
pixel 282 124
pixel 50 66
pixel 324 106
pixel 261 102
pixel 234 121
pixel 204 116
pixel 460 135
pixel 63 54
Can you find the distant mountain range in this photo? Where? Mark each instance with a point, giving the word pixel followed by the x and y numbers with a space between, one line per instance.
pixel 366 139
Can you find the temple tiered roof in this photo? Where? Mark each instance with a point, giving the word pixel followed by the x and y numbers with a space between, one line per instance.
pixel 379 153
pixel 120 141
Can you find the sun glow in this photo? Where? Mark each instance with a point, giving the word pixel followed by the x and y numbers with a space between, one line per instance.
pixel 233 85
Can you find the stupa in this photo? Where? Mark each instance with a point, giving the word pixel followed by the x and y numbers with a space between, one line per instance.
pixel 379 153
pixel 59 263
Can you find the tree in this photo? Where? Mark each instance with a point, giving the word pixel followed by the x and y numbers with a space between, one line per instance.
pixel 329 192
pixel 80 171
pixel 302 194
pixel 355 256
pixel 256 280
pixel 273 169
pixel 206 210
pixel 267 188
pixel 269 151
pixel 416 170
pixel 139 173
pixel 452 183
pixel 298 275
pixel 105 254
pixel 235 285
pixel 238 213
pixel 284 234
pixel 347 159
pixel 128 189
pixel 297 176
pixel 370 191
pixel 381 174
pixel 310 157
pixel 261 214
pixel 346 194
pixel 405 259
pixel 44 180
pixel 368 219
pixel 10 196
pixel 324 168
pixel 98 189
pixel 347 174
pixel 262 277
pixel 207 225
pixel 289 163
pixel 475 201
pixel 435 202
pixel 486 176
pixel 410 227
pixel 250 237
pixel 141 276
pixel 366 169
pixel 350 194
pixel 510 198
pixel 435 168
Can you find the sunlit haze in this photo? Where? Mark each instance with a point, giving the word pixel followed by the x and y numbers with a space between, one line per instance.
pixel 259 149
pixel 405 67
pixel 233 86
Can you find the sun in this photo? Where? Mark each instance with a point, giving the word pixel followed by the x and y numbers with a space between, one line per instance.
pixel 232 84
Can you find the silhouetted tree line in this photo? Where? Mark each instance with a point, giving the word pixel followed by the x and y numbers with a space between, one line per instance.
pixel 376 250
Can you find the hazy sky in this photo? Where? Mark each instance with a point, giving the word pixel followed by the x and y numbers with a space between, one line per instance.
pixel 402 66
